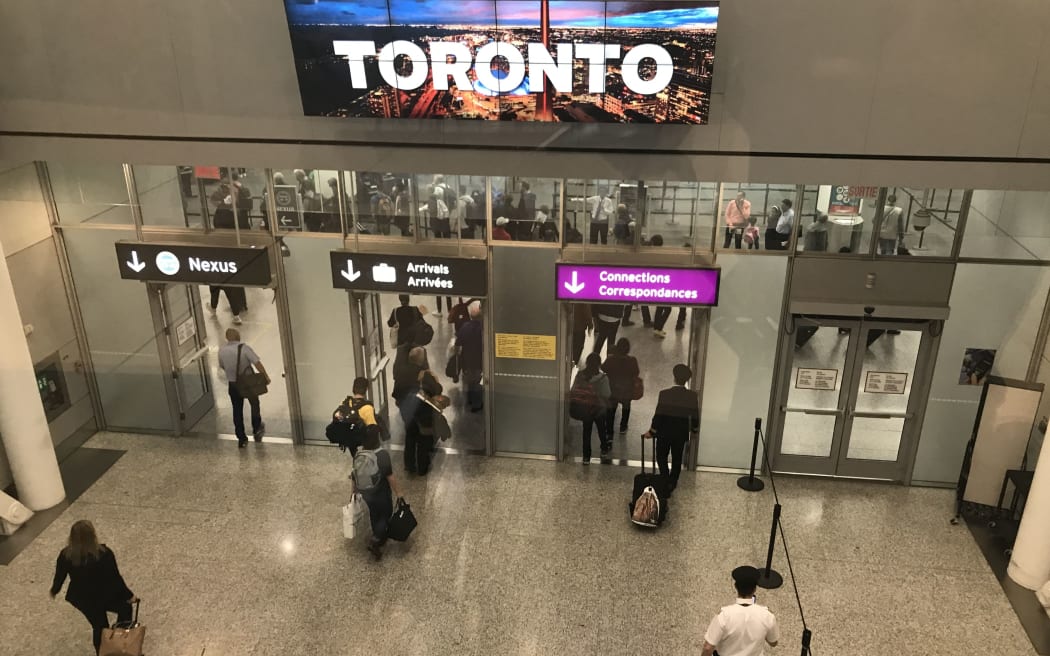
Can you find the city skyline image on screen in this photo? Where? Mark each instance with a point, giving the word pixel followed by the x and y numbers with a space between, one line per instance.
pixel 510 60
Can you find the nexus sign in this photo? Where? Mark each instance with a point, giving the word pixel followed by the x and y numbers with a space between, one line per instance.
pixel 452 60
pixel 210 265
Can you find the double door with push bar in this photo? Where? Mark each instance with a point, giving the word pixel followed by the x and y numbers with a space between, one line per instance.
pixel 851 396
pixel 183 346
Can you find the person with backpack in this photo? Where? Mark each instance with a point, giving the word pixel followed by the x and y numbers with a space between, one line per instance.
pixel 589 402
pixel 419 427
pixel 352 418
pixel 677 418
pixel 404 318
pixel 373 478
pixel 622 370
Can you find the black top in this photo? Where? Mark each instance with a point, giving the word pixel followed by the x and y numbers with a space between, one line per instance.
pixel 406 373
pixel 95 582
pixel 622 370
pixel 405 318
pixel 677 413
pixel 470 337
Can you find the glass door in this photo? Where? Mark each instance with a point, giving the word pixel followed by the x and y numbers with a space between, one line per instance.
pixel 369 327
pixel 184 352
pixel 847 406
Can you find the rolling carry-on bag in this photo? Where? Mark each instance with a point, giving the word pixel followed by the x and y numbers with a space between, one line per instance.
pixel 124 639
pixel 660 485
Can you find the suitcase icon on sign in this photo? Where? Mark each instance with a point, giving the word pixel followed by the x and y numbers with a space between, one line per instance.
pixel 383 272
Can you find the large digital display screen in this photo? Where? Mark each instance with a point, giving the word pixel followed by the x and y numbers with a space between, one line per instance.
pixel 508 60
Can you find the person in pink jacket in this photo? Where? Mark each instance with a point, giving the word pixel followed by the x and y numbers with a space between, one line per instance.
pixel 738 211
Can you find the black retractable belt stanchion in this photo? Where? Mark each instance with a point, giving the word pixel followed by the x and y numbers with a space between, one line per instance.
pixel 749 482
pixel 769 578
pixel 806 636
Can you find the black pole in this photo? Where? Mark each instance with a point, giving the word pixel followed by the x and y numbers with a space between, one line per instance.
pixel 806 635
pixel 769 578
pixel 749 482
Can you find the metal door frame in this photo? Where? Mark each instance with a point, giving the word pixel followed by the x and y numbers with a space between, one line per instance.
pixel 837 464
pixel 696 359
pixel 184 413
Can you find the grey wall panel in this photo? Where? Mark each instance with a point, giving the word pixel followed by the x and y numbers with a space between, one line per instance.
pixel 896 282
pixel 812 76
pixel 41 298
pixel 526 410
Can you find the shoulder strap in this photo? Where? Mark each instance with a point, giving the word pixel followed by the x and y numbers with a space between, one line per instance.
pixel 239 348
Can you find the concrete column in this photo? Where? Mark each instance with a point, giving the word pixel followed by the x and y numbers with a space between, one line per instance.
pixel 1030 560
pixel 23 425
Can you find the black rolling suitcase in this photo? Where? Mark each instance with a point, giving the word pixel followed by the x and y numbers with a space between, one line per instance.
pixel 660 484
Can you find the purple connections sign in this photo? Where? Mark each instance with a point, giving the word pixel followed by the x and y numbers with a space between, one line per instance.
pixel 595 283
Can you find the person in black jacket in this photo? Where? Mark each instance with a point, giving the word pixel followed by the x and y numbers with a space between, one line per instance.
pixel 676 419
pixel 405 318
pixel 95 584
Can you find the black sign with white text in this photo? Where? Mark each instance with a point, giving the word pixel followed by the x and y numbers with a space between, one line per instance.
pixel 208 265
pixel 408 274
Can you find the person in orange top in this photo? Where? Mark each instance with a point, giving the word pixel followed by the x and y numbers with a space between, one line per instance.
pixel 738 211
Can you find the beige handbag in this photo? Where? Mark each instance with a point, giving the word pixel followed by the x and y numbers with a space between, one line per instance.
pixel 124 639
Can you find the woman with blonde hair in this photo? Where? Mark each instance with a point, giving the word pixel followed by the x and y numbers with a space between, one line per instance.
pixel 95 584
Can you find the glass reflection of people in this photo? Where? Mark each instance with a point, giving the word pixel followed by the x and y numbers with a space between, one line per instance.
pixel 816 236
pixel 600 208
pixel 737 214
pixel 402 203
pixel 891 233
pixel 977 364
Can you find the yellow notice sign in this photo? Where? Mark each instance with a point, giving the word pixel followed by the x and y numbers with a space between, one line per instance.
pixel 526 347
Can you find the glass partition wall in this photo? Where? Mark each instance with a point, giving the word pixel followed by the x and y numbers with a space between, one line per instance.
pixel 304 213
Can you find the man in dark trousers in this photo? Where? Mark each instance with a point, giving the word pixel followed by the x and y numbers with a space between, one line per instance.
pixel 676 419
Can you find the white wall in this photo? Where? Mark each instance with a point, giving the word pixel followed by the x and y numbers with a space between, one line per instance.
pixel 942 77
pixel 993 307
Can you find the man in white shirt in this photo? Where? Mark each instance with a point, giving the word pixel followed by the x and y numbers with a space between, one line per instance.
pixel 785 223
pixel 234 357
pixel 599 209
pixel 891 234
pixel 744 628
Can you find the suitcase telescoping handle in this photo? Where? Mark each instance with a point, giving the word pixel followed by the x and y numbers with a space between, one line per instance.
pixel 134 620
pixel 654 453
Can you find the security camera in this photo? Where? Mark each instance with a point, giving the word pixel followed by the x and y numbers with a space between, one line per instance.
pixel 869 310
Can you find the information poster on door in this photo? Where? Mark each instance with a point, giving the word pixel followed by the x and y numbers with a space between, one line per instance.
pixel 885 382
pixel 526 347
pixel 816 379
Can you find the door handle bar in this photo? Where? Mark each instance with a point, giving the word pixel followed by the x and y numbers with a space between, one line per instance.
pixel 192 357
pixel 813 411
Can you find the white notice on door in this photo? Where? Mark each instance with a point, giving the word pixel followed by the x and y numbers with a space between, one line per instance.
pixel 816 379
pixel 885 382
pixel 185 331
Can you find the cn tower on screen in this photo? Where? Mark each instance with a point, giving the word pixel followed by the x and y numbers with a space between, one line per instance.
pixel 545 101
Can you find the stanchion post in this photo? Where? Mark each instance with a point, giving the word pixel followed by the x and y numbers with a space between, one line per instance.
pixel 806 636
pixel 769 578
pixel 749 482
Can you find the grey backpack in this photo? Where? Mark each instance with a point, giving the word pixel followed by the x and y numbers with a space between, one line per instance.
pixel 366 469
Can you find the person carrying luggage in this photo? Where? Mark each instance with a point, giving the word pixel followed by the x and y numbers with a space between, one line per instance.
pixel 419 429
pixel 374 480
pixel 676 419
pixel 589 402
pixel 351 419
pixel 95 584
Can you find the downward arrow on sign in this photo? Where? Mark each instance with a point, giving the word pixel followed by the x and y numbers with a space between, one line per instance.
pixel 135 265
pixel 575 286
pixel 350 274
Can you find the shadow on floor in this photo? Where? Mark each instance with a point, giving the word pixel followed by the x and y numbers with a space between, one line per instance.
pixel 1029 611
pixel 79 472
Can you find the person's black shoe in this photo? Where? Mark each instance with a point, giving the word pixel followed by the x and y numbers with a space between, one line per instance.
pixel 258 434
pixel 627 323
pixel 375 550
pixel 623 428
pixel 679 326
pixel 242 443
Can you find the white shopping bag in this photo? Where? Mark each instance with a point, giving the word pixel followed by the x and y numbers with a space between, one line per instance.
pixel 354 515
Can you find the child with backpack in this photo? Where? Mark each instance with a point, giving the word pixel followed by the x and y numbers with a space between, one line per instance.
pixel 374 480
pixel 589 402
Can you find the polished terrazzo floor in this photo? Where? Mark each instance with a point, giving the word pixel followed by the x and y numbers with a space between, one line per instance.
pixel 241 552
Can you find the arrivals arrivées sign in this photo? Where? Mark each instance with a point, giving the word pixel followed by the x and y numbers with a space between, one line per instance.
pixel 208 265
pixel 647 285
pixel 408 274
pixel 510 60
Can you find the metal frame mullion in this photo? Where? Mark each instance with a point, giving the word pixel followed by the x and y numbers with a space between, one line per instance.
pixel 133 198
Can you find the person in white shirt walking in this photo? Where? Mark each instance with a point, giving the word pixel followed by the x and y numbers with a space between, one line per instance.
pixel 234 357
pixel 891 234
pixel 743 628
pixel 600 208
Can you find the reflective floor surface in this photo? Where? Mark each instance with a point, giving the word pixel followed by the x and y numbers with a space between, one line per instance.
pixel 241 552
